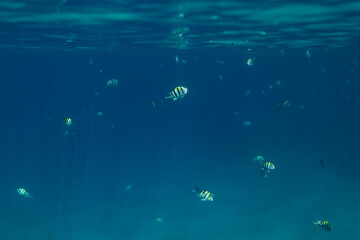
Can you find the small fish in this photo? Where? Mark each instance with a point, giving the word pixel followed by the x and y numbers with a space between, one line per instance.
pixel 178 93
pixel 308 54
pixel 177 59
pixel 24 193
pixel 250 61
pixel 284 105
pixel 128 187
pixel 266 168
pixel 246 123
pixel 158 219
pixel 180 15
pixel 282 52
pixel 112 83
pixel 203 194
pixel 259 159
pixel 219 61
pixel 324 225
pixel 68 122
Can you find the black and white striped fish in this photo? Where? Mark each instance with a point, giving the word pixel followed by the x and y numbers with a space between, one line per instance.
pixel 112 83
pixel 268 166
pixel 324 225
pixel 203 194
pixel 284 105
pixel 24 193
pixel 178 93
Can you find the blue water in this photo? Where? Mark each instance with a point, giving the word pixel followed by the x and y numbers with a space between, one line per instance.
pixel 56 59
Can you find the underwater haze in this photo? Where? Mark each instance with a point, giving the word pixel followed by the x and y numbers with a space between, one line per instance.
pixel 216 120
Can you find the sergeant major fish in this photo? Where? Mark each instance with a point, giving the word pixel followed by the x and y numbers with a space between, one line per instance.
pixel 266 168
pixel 112 83
pixel 203 194
pixel 250 61
pixel 177 93
pixel 24 193
pixel 284 105
pixel 68 122
pixel 324 225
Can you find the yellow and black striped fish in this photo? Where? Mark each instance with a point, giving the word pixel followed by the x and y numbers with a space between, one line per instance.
pixel 266 168
pixel 324 225
pixel 204 195
pixel 177 93
pixel 68 122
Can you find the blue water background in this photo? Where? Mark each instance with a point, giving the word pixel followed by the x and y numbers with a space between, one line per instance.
pixel 78 179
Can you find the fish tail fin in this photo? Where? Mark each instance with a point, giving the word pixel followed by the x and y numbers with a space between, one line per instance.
pixel 262 173
pixel 196 189
pixel 29 196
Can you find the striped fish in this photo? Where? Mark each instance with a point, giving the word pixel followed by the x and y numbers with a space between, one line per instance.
pixel 266 168
pixel 68 122
pixel 178 93
pixel 204 195
pixel 250 61
pixel 284 105
pixel 324 225
pixel 24 193
pixel 112 83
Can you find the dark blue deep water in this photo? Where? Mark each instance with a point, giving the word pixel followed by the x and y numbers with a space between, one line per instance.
pixel 125 168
